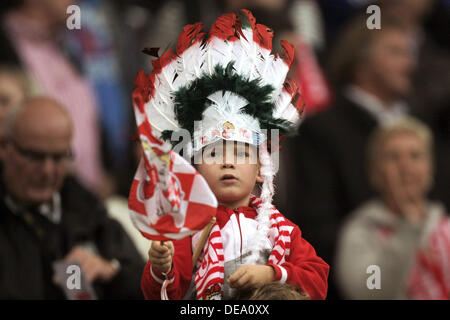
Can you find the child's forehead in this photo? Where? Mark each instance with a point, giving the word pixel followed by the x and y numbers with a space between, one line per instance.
pixel 230 144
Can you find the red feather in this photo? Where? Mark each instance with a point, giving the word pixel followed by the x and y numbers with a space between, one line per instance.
pixel 158 64
pixel 225 27
pixel 297 100
pixel 144 88
pixel 250 18
pixel 190 35
pixel 288 52
pixel 263 36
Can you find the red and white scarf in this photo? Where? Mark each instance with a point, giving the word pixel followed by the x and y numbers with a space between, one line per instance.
pixel 429 279
pixel 209 277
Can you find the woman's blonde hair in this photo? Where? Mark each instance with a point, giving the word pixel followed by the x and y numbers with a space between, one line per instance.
pixel 405 124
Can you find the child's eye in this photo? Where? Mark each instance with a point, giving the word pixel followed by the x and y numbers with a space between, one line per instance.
pixel 211 154
pixel 243 154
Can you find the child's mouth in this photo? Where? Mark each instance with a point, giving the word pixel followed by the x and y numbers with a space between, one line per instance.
pixel 228 178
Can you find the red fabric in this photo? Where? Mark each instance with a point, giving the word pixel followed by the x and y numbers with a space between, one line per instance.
pixel 209 276
pixel 181 274
pixel 156 207
pixel 313 83
pixel 141 94
pixel 429 278
pixel 304 268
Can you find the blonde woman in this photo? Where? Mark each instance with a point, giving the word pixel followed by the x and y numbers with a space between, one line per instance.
pixel 397 245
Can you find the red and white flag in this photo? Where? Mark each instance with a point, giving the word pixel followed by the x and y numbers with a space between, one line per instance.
pixel 169 199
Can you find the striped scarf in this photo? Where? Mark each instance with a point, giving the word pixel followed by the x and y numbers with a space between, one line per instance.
pixel 209 277
pixel 430 276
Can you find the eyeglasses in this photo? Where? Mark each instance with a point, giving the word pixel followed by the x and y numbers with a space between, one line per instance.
pixel 38 157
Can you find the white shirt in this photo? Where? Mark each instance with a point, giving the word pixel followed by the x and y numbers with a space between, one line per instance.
pixel 380 111
pixel 51 210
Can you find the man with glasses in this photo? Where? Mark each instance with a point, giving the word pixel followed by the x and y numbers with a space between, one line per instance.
pixel 47 218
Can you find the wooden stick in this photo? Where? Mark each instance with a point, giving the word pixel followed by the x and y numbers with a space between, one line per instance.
pixel 201 242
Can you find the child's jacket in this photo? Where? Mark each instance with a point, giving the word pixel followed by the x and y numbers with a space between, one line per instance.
pixel 294 260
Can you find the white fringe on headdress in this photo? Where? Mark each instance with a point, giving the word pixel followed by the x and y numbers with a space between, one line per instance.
pixel 265 210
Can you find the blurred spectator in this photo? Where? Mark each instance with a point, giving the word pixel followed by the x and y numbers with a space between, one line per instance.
pixel 32 38
pixel 324 165
pixel 399 231
pixel 337 14
pixel 430 98
pixel 48 216
pixel 13 90
pixel 94 47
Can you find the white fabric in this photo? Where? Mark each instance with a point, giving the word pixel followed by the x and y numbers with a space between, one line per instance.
pixel 383 113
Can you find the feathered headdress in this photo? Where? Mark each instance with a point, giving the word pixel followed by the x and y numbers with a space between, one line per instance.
pixel 230 83
pixel 228 75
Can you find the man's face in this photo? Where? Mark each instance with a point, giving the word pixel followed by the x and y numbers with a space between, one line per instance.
pixel 231 170
pixel 36 159
pixel 409 10
pixel 56 10
pixel 392 61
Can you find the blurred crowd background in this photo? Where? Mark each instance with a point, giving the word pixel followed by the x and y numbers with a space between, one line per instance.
pixel 404 67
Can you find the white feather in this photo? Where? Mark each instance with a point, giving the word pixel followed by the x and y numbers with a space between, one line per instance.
pixel 228 106
pixel 189 65
pixel 250 60
pixel 282 102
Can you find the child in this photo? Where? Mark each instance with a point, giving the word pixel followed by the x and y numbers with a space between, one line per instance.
pixel 234 88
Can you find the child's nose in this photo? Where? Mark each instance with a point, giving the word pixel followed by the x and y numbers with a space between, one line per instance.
pixel 228 165
pixel 228 162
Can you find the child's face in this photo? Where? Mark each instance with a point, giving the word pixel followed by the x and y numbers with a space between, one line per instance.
pixel 231 170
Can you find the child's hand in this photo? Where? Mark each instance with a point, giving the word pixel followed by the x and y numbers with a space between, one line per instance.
pixel 249 276
pixel 161 255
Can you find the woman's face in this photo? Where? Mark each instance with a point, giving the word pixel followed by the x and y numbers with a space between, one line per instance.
pixel 403 162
